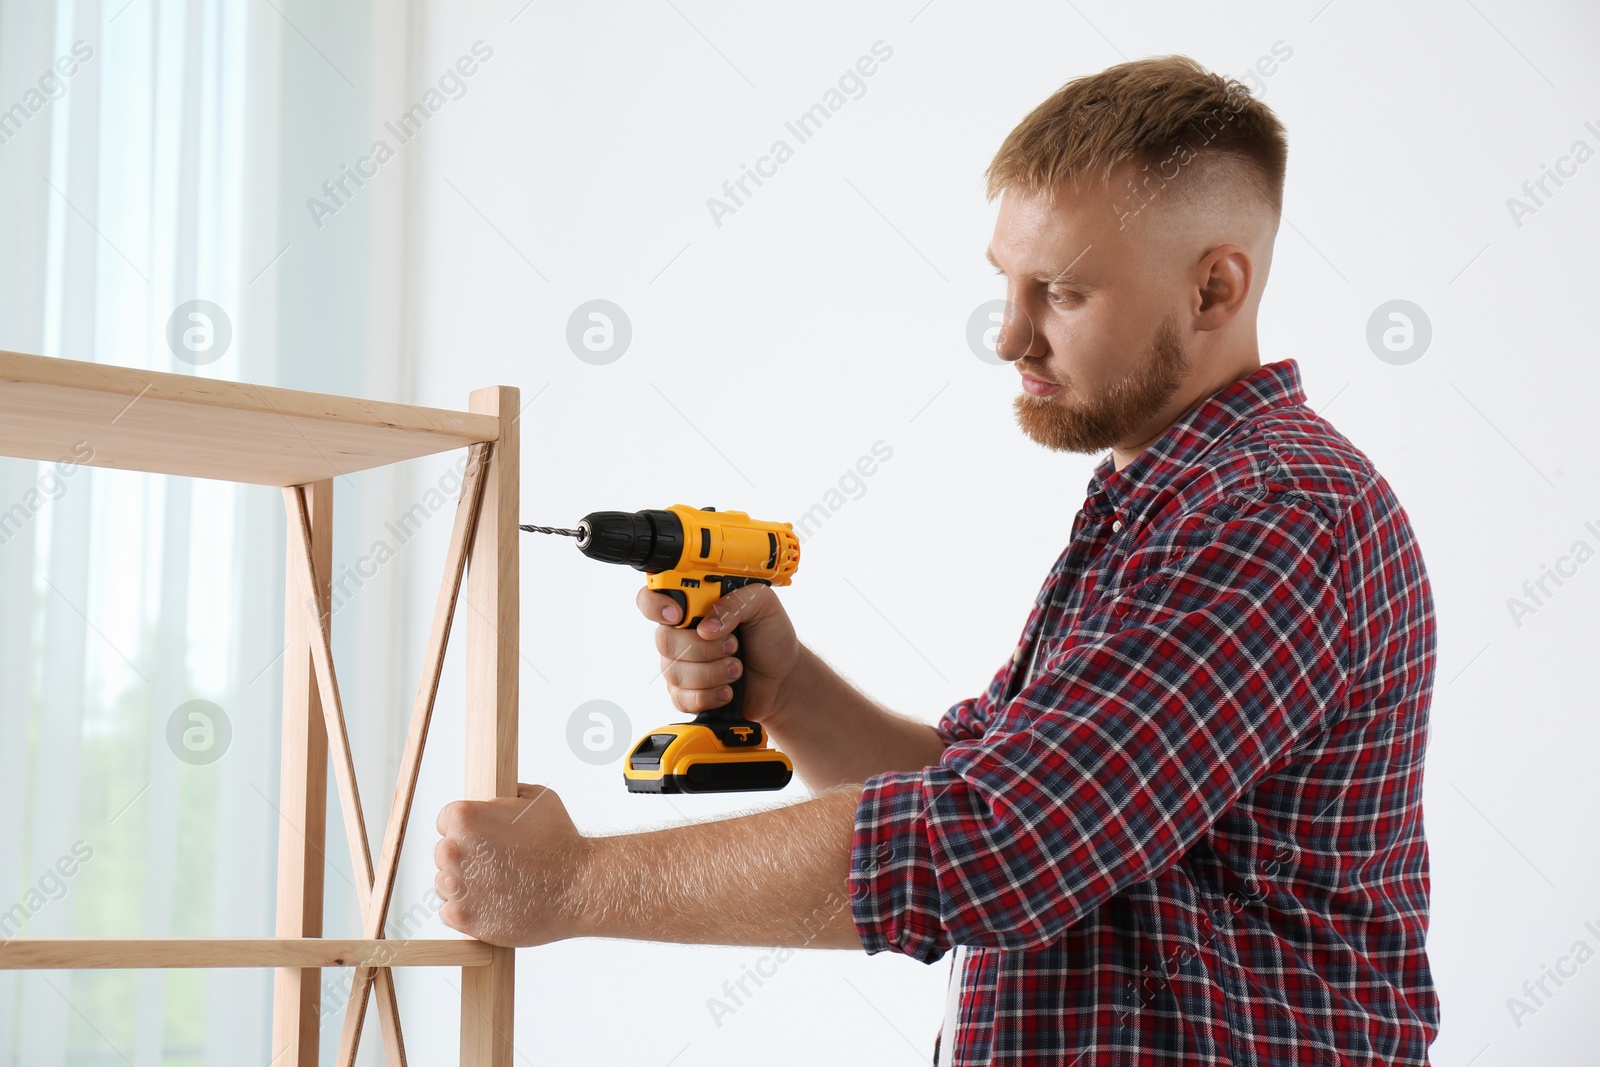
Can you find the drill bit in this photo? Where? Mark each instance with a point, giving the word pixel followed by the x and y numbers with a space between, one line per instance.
pixel 550 530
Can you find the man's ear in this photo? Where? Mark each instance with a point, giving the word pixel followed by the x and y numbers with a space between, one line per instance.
pixel 1224 276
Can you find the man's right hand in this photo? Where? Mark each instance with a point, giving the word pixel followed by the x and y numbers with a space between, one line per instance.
pixel 695 663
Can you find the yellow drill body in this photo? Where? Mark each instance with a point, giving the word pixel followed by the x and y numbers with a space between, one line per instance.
pixel 696 556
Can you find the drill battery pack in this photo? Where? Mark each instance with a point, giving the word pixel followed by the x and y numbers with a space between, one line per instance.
pixel 694 757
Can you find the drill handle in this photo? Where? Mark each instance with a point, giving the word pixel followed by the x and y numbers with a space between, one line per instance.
pixel 731 713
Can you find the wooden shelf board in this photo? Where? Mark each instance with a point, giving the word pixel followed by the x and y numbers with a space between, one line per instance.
pixel 73 953
pixel 123 417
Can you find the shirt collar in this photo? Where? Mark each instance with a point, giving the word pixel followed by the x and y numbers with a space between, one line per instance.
pixel 1180 445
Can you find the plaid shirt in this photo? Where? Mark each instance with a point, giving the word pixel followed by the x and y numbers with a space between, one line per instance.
pixel 1195 836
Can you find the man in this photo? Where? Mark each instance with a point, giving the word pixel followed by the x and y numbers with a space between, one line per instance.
pixel 1183 823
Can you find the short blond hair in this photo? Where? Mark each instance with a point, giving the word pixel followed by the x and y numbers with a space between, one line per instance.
pixel 1163 115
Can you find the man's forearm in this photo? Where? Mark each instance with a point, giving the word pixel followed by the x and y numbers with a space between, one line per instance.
pixel 834 734
pixel 778 877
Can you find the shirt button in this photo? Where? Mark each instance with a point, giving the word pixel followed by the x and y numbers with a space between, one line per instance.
pixel 1116 525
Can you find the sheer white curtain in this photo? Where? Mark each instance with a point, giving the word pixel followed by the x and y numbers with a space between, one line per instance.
pixel 160 153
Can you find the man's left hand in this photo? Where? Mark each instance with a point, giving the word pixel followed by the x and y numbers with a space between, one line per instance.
pixel 509 868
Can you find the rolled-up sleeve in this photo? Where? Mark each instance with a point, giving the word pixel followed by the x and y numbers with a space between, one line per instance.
pixel 1182 692
pixel 966 720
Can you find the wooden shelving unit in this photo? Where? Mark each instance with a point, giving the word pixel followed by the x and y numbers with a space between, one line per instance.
pixel 54 409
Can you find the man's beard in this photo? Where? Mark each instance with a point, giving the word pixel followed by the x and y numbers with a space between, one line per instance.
pixel 1069 421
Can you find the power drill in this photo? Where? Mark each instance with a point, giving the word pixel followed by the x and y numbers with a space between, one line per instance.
pixel 697 556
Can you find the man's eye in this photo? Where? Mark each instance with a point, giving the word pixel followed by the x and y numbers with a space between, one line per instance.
pixel 1059 297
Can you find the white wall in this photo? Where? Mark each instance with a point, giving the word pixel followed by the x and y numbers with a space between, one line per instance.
pixel 829 312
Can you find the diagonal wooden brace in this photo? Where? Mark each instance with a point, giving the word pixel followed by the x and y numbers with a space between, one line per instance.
pixel 376 914
pixel 344 771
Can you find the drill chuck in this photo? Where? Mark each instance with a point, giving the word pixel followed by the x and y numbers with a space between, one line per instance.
pixel 650 540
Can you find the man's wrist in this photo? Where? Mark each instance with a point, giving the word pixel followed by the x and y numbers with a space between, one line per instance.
pixel 799 692
pixel 585 892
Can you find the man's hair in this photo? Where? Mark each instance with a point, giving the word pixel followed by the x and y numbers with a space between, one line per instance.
pixel 1166 115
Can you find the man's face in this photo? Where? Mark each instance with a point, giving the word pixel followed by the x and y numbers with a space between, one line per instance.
pixel 1094 310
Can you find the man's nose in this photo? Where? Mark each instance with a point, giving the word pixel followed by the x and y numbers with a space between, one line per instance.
pixel 1017 336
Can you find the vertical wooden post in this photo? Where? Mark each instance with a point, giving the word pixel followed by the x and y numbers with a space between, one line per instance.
pixel 491 703
pixel 302 801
